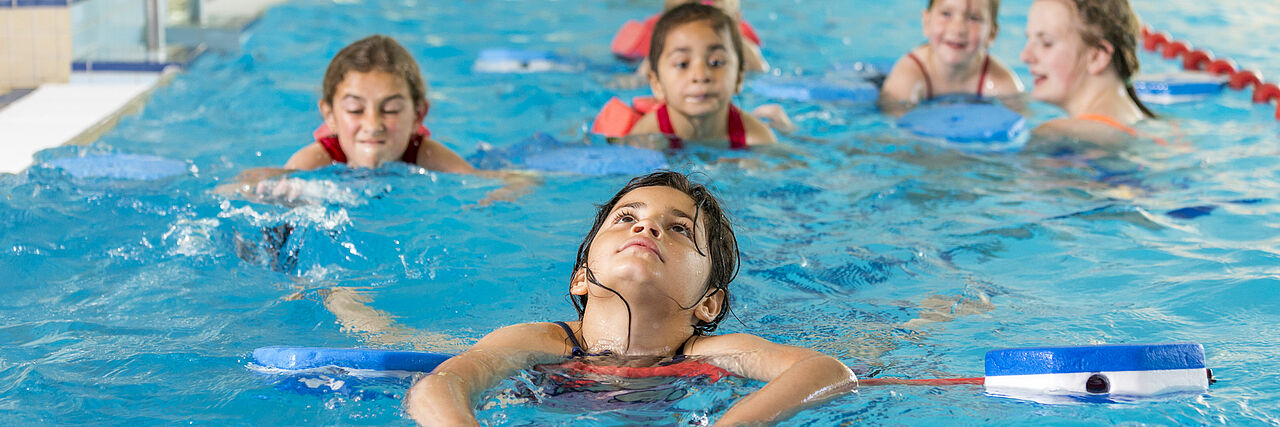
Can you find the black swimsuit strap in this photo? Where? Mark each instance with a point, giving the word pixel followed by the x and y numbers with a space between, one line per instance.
pixel 577 348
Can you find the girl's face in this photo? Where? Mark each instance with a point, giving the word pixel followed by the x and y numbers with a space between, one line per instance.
pixel 373 116
pixel 645 250
pixel 697 71
pixel 1055 53
pixel 958 30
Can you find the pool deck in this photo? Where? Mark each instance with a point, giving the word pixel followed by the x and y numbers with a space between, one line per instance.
pixel 91 103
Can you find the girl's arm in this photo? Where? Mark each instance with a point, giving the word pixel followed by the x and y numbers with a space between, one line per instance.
pixel 437 157
pixel 796 377
pixel 447 395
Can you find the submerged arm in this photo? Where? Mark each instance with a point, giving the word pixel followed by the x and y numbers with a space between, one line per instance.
pixel 796 377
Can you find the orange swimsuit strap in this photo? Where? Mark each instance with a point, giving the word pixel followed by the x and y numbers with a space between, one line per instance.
pixel 1128 130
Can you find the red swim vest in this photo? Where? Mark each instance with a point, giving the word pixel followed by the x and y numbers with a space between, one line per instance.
pixel 329 141
pixel 632 40
pixel 616 119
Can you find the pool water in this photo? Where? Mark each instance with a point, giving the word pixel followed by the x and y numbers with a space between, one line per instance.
pixel 139 302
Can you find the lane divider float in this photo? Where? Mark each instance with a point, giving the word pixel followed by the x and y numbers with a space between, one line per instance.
pixel 1203 60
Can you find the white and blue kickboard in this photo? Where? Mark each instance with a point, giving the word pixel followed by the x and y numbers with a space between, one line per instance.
pixel 303 358
pixel 1171 88
pixel 500 60
pixel 545 153
pixel 120 166
pixel 977 126
pixel 815 89
pixel 1133 370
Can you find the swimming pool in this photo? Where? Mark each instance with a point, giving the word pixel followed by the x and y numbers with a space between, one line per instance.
pixel 139 302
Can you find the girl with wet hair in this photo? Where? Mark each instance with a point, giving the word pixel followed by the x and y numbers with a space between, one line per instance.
pixel 1082 55
pixel 650 283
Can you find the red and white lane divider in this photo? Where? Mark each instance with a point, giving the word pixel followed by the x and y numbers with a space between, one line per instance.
pixel 1203 60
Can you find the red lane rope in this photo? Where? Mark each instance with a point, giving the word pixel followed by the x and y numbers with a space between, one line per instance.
pixel 927 381
pixel 1203 60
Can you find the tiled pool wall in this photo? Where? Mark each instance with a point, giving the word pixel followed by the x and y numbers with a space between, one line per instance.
pixel 35 43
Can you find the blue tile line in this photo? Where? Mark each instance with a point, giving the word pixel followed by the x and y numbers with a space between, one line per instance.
pixel 34 3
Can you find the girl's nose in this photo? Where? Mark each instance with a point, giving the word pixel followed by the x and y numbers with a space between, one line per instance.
pixel 701 73
pixel 372 122
pixel 642 226
pixel 1025 55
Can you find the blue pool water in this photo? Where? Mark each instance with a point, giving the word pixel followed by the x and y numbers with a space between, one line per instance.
pixel 140 302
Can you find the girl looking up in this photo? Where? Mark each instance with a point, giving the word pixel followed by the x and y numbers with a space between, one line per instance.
pixel 651 280
pixel 955 60
pixel 1082 54
pixel 695 69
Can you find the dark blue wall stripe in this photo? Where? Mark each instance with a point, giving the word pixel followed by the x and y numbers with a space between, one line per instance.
pixel 33 3
pixel 121 66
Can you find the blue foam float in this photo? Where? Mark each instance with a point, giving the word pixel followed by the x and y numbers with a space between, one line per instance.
pixel 120 166
pixel 983 127
pixel 543 152
pixel 303 358
pixel 814 89
pixel 1122 370
pixel 1172 88
pixel 499 60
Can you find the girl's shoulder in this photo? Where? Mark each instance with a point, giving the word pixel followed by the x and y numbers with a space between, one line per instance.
pixel 648 124
pixel 546 337
pixel 1005 80
pixel 758 133
pixel 436 156
pixel 312 156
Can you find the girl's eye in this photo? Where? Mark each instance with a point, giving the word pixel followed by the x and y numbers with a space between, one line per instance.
pixel 624 217
pixel 391 111
pixel 716 62
pixel 680 228
pixel 682 65
pixel 946 14
pixel 355 111
pixel 975 18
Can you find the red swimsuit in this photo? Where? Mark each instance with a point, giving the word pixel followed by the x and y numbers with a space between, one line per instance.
pixel 737 132
pixel 329 141
pixel 928 85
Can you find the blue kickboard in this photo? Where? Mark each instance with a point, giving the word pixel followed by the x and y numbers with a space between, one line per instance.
pixel 502 60
pixel 809 89
pixel 967 123
pixel 120 166
pixel 298 358
pixel 1094 358
pixel 1175 87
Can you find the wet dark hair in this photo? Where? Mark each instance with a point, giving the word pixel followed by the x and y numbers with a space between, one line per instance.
pixel 995 13
pixel 722 245
pixel 693 12
pixel 376 52
pixel 1114 22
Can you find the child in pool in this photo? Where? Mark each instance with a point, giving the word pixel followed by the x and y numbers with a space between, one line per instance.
pixel 1082 54
pixel 955 60
pixel 695 69
pixel 373 106
pixel 651 279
